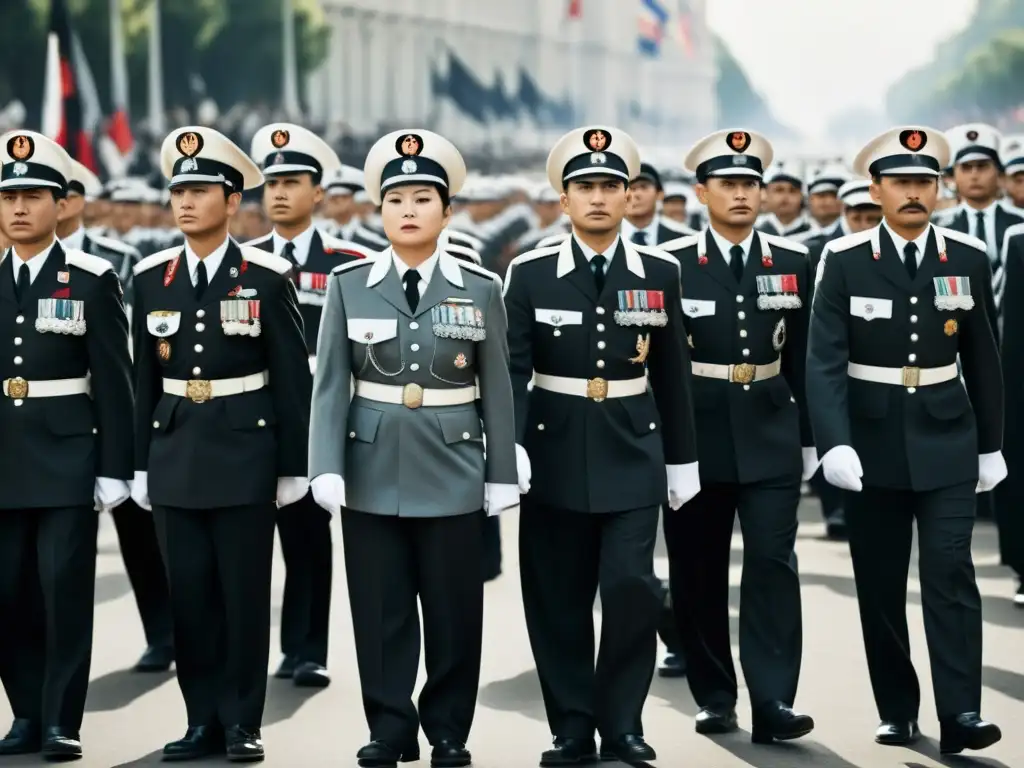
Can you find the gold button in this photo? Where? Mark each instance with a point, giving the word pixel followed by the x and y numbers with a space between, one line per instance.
pixel 261 423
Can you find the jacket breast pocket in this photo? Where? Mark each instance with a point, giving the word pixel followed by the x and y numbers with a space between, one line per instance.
pixel 694 308
pixel 374 342
pixel 460 426
pixel 642 414
pixel 453 361
pixel 870 309
pixel 555 320
pixel 947 404
pixel 363 423
pixel 163 414
pixel 777 392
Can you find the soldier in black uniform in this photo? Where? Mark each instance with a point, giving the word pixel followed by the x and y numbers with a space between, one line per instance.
pixel 294 162
pixel 785 201
pixel 895 425
pixel 745 298
pixel 643 224
pixel 135 530
pixel 222 420
pixel 824 207
pixel 595 321
pixel 65 414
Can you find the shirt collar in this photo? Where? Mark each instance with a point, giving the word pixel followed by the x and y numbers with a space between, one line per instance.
pixel 989 210
pixel 921 241
pixel 212 261
pixel 35 264
pixel 629 229
pixel 75 240
pixel 725 246
pixel 589 253
pixel 302 243
pixel 785 229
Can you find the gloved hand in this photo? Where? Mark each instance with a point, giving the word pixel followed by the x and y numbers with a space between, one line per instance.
pixel 499 497
pixel 109 493
pixel 140 490
pixel 810 462
pixel 841 467
pixel 312 364
pixel 683 483
pixel 329 492
pixel 290 490
pixel 523 469
pixel 991 471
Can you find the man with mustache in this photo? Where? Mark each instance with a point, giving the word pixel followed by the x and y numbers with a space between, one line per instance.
pixel 895 307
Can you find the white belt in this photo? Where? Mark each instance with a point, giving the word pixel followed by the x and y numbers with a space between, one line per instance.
pixel 201 390
pixel 741 373
pixel 903 377
pixel 413 395
pixel 19 389
pixel 595 389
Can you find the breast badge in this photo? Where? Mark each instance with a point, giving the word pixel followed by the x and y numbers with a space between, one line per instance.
pixel 458 321
pixel 643 349
pixel 641 307
pixel 163 350
pixel 460 361
pixel 953 293
pixel 779 335
pixel 951 327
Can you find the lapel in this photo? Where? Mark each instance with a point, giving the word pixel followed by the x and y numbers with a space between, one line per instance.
pixel 581 278
pixel 383 278
pixel 181 291
pixel 7 277
pixel 717 266
pixel 617 273
pixel 929 263
pixel 959 222
pixel 441 285
pixel 752 268
pixel 46 283
pixel 222 282
pixel 86 244
pixel 1004 220
pixel 890 262
pixel 267 245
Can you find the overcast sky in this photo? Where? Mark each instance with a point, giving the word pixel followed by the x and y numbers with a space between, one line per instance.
pixel 814 59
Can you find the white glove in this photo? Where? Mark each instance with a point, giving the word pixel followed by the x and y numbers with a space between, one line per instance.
pixel 841 467
pixel 810 462
pixel 290 490
pixel 523 469
pixel 140 490
pixel 312 364
pixel 499 497
pixel 991 471
pixel 329 492
pixel 683 483
pixel 109 493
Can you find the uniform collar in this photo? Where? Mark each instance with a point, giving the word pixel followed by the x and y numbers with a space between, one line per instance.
pixel 921 241
pixel 651 230
pixel 567 263
pixel 989 210
pixel 725 246
pixel 35 264
pixel 589 253
pixel 212 261
pixel 75 240
pixel 785 229
pixel 302 243
pixel 383 263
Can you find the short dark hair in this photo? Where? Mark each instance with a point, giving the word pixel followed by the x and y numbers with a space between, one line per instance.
pixel 603 178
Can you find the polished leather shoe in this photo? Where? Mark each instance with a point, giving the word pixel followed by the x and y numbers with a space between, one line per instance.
pixel 777 722
pixel 198 742
pixel 570 751
pixel 673 665
pixel 715 720
pixel 24 738
pixel 243 745
pixel 156 658
pixel 966 731
pixel 835 526
pixel 286 670
pixel 309 674
pixel 629 749
pixel 897 733
pixel 61 744
pixel 380 754
pixel 449 753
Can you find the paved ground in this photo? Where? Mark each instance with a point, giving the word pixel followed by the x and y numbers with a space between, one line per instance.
pixel 130 716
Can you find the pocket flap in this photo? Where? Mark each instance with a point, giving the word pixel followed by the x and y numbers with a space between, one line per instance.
pixel 363 423
pixel 698 307
pixel 163 414
pixel 253 410
pixel 871 309
pixel 163 324
pixel 460 425
pixel 70 416
pixel 948 404
pixel 558 317
pixel 372 331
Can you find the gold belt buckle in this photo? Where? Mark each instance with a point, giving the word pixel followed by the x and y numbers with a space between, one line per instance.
pixel 198 390
pixel 743 373
pixel 17 389
pixel 597 389
pixel 911 377
pixel 412 396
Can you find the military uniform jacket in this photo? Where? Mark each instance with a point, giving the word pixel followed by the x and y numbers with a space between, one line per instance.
pixel 71 323
pixel 122 256
pixel 748 430
pixel 866 310
pixel 770 225
pixel 586 455
pixel 325 253
pixel 1013 342
pixel 228 451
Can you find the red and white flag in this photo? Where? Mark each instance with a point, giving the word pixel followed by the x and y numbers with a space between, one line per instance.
pixel 119 128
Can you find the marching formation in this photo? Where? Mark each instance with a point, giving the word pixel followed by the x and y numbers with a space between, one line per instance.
pixel 625 347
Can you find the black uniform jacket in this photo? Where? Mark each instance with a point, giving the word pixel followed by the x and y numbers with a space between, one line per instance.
pixel 325 253
pixel 121 255
pixel 770 225
pixel 960 221
pixel 607 456
pixel 56 447
pixel 1013 342
pixel 228 451
pixel 751 431
pixel 867 311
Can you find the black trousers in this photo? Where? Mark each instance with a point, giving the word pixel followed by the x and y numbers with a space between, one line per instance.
pixel 305 530
pixel 47 587
pixel 880 524
pixel 565 558
pixel 145 568
pixel 492 548
pixel 1009 513
pixel 831 498
pixel 699 538
pixel 389 562
pixel 219 566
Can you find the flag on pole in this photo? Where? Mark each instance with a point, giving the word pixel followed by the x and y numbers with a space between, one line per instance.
pixel 575 9
pixel 63 119
pixel 119 128
pixel 651 27
pixel 683 27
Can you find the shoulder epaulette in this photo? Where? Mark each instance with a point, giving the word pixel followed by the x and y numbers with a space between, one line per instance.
pixel 963 237
pixel 266 260
pixel 679 243
pixel 158 258
pixel 556 239
pixel 462 251
pixel 479 270
pixel 369 234
pixel 846 242
pixel 115 245
pixel 1013 230
pixel 657 252
pixel 536 253
pixel 258 240
pixel 348 265
pixel 787 243
pixel 475 243
pixel 675 226
pixel 336 244
pixel 96 265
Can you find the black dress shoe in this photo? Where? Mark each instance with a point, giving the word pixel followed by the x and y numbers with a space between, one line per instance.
pixel 777 722
pixel 24 738
pixel 243 745
pixel 380 754
pixel 1018 599
pixel 967 731
pixel 61 744
pixel 449 753
pixel 570 751
pixel 673 665
pixel 629 749
pixel 897 733
pixel 156 658
pixel 715 720
pixel 309 674
pixel 286 671
pixel 835 526
pixel 199 741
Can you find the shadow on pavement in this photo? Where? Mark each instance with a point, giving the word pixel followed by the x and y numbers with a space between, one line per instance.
pixel 929 747
pixel 1003 680
pixel 284 699
pixel 792 754
pixel 153 758
pixel 516 694
pixel 116 690
pixel 112 586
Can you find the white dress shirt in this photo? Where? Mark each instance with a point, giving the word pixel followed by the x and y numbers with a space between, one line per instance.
pixel 725 246
pixel 589 253
pixel 921 241
pixel 302 242
pixel 989 217
pixel 35 264
pixel 426 269
pixel 212 261
pixel 75 240
pixel 651 230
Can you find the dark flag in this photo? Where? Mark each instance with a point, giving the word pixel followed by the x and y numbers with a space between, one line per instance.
pixel 62 101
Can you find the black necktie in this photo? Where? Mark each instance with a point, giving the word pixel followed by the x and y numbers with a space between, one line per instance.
pixel 289 252
pixel 910 259
pixel 736 262
pixel 597 264
pixel 979 231
pixel 21 287
pixel 640 237
pixel 412 288
pixel 202 281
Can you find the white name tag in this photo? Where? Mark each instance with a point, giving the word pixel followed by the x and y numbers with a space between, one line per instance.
pixel 558 317
pixel 871 309
pixel 163 324
pixel 372 331
pixel 698 308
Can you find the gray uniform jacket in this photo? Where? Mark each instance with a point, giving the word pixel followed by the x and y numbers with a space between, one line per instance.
pixel 396 460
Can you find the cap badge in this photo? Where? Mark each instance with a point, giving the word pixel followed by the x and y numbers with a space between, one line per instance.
pixel 409 166
pixel 189 165
pixel 409 145
pixel 21 147
pixel 738 141
pixel 913 140
pixel 279 138
pixel 190 144
pixel 739 160
pixel 278 159
pixel 598 158
pixel 972 135
pixel 20 169
pixel 597 140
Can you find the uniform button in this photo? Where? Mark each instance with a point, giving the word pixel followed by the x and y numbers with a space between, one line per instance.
pixel 743 333
pixel 739 299
pixel 911 390
pixel 913 318
pixel 653 425
pixel 741 315
pixel 913 337
pixel 200 327
pixel 200 313
pixel 415 347
pixel 913 299
pixel 261 423
pixel 465 435
pixel 95 431
pixel 196 371
pixel 414 326
pixel 600 310
pixel 19 402
pixel 746 387
pixel 557 332
pixel 600 327
pixel 156 425
pixel 19 319
pixel 540 427
pixel 414 367
pixel 746 353
pixel 911 358
pixel 18 361
pixel 601 345
pixel 600 363
pixel 351 434
pixel 198 347
pixel 17 341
